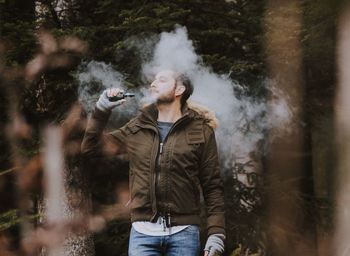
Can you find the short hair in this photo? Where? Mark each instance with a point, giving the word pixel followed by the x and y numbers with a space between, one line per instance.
pixel 188 87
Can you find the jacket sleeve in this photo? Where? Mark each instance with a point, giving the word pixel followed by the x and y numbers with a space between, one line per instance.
pixel 97 143
pixel 212 185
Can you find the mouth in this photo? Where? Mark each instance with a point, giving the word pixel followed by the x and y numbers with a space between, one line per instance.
pixel 153 90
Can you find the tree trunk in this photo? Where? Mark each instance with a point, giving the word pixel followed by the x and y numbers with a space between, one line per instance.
pixel 72 196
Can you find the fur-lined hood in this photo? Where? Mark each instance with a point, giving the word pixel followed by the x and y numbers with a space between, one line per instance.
pixel 150 112
pixel 208 115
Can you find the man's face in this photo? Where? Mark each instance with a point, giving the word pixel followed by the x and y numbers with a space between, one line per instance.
pixel 163 87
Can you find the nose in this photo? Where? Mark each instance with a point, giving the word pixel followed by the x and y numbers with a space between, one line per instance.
pixel 153 84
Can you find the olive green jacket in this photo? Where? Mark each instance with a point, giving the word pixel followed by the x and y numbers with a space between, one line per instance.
pixel 187 160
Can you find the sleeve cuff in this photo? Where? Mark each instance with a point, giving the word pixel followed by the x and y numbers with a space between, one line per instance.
pixel 99 114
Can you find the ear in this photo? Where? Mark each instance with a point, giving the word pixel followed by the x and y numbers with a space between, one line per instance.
pixel 179 90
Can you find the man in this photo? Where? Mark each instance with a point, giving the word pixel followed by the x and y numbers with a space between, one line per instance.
pixel 173 156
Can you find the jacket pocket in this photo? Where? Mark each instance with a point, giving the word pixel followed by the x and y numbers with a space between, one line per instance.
pixel 139 190
pixel 185 194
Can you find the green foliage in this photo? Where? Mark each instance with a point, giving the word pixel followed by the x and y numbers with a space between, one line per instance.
pixel 319 34
pixel 8 219
pixel 217 29
pixel 225 34
pixel 244 211
pixel 113 240
pixel 19 42
pixel 17 31
pixel 11 218
pixel 239 251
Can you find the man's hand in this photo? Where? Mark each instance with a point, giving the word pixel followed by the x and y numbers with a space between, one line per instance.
pixel 104 104
pixel 214 245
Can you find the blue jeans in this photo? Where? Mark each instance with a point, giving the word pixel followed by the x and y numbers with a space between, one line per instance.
pixel 183 243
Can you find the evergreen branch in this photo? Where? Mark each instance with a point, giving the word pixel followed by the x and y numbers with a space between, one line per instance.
pixel 53 13
pixel 8 171
pixel 11 218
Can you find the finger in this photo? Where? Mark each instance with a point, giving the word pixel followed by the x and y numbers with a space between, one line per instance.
pixel 114 92
pixel 205 253
pixel 121 101
pixel 119 91
pixel 108 93
pixel 117 103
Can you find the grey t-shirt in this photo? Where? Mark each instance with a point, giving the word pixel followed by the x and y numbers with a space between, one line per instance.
pixel 164 128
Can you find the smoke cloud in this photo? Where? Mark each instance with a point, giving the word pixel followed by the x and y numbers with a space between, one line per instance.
pixel 94 77
pixel 243 120
pixel 173 51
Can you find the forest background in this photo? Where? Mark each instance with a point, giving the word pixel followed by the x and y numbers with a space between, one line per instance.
pixel 230 36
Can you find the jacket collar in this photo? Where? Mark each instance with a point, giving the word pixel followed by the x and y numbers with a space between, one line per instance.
pixel 150 113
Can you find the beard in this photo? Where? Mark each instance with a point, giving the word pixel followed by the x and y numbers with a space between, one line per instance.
pixel 166 99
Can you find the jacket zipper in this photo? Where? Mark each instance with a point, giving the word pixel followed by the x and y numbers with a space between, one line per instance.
pixel 164 218
pixel 160 152
pixel 153 188
pixel 167 221
pixel 167 216
pixel 158 171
